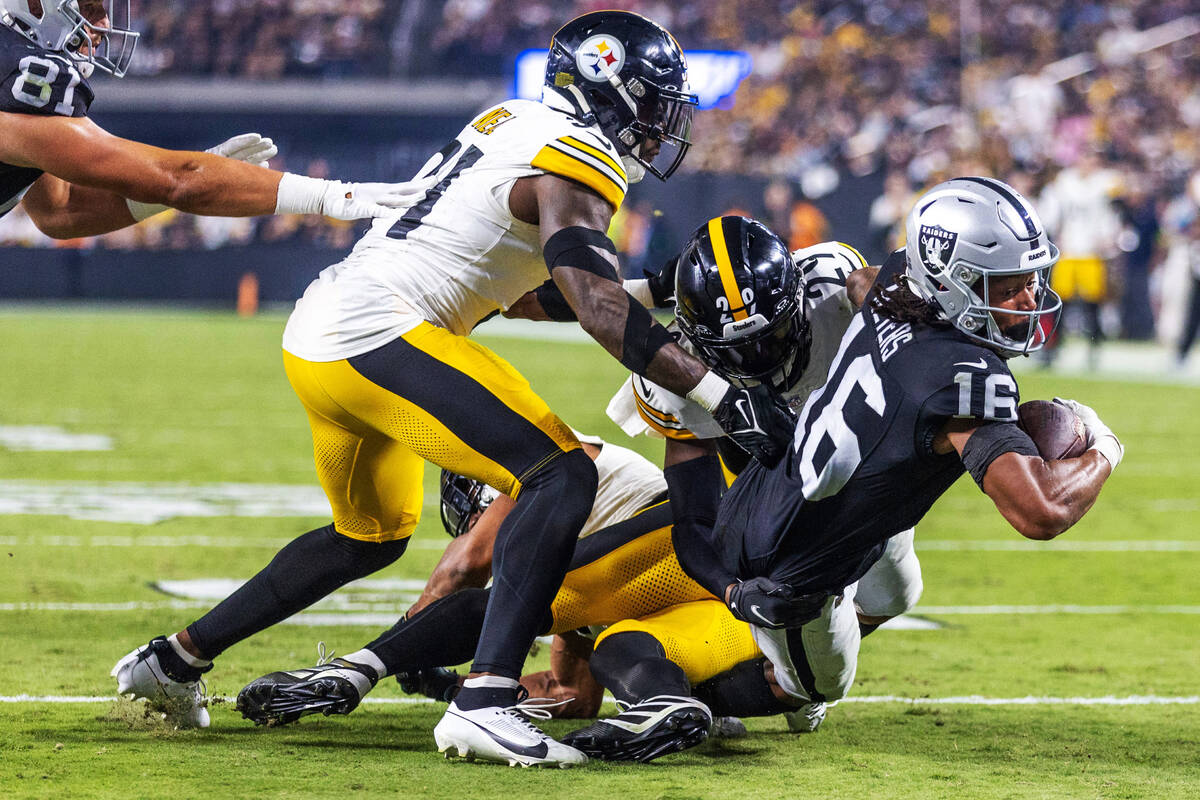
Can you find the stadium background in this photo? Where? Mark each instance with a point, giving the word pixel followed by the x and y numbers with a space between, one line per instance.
pixel 1087 645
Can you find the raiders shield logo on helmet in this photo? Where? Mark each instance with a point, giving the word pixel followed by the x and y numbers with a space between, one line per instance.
pixel 937 246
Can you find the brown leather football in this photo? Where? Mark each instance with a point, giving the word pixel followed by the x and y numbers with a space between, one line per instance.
pixel 1057 431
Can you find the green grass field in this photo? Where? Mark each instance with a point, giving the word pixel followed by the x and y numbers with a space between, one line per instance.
pixel 1112 610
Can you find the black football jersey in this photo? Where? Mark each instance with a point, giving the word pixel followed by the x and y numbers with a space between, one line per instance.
pixel 35 81
pixel 861 467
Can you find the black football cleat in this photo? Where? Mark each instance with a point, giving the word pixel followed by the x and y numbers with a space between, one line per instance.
pixel 646 730
pixel 437 683
pixel 282 697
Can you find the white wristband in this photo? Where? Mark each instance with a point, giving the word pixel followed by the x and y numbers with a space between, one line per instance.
pixel 299 194
pixel 141 211
pixel 1109 447
pixel 640 289
pixel 709 392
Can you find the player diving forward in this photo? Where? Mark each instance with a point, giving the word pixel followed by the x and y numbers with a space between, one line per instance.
pixel 918 393
pixel 76 179
pixel 377 351
pixel 667 635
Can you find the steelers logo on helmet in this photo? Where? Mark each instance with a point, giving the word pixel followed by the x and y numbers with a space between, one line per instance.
pixel 937 246
pixel 599 56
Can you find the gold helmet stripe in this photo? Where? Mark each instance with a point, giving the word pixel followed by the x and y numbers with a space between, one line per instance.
pixel 716 235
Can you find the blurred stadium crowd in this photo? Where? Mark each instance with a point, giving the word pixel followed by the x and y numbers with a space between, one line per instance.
pixel 1093 106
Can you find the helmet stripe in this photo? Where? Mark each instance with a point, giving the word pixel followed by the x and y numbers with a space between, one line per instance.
pixel 716 235
pixel 1003 191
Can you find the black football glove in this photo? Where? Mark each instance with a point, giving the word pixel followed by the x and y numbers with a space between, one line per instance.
pixel 756 422
pixel 769 604
pixel 436 682
pixel 662 283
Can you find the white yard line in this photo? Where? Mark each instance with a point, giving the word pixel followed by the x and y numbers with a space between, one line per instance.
pixel 370 614
pixel 966 700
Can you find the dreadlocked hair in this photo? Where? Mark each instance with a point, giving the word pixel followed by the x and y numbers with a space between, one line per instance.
pixel 900 303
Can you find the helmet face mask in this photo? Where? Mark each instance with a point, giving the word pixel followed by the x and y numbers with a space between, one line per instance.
pixel 738 301
pixel 629 76
pixel 60 26
pixel 462 498
pixel 964 235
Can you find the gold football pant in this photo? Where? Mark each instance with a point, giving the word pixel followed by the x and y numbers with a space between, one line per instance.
pixel 429 395
pixel 628 577
pixel 1080 279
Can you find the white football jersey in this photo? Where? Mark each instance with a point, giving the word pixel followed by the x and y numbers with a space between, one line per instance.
pixel 628 483
pixel 458 254
pixel 642 407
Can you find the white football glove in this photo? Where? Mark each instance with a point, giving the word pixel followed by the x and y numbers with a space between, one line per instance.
pixel 1099 436
pixel 249 147
pixel 301 195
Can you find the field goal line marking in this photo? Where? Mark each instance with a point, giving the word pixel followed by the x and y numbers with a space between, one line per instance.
pixel 963 700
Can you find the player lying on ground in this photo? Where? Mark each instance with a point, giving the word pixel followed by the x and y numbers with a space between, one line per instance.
pixel 76 179
pixel 918 393
pixel 377 351
pixel 624 577
pixel 792 290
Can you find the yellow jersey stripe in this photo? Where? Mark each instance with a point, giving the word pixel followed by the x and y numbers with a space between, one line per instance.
pixel 852 250
pixel 558 163
pixel 598 153
pixel 716 234
pixel 651 411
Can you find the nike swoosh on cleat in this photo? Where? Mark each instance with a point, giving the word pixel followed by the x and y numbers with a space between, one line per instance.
pixel 981 365
pixel 538 750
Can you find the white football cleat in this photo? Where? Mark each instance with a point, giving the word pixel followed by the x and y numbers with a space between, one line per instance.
pixel 807 718
pixel 502 734
pixel 178 694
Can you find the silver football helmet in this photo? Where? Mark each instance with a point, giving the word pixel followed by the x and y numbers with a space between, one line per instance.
pixel 967 230
pixel 60 26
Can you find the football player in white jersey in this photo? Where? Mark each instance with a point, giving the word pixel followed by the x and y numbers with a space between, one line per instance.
pixel 76 179
pixel 377 351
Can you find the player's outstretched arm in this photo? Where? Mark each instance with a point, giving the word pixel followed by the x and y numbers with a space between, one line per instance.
pixel 1040 498
pixel 77 151
pixel 65 210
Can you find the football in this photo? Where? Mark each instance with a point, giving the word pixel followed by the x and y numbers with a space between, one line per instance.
pixel 1057 431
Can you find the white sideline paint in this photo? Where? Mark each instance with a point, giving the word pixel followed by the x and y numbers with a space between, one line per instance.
pixel 966 700
pixel 146 503
pixel 50 438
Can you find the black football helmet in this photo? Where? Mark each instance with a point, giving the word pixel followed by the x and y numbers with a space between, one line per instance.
pixel 738 300
pixel 461 498
pixel 629 76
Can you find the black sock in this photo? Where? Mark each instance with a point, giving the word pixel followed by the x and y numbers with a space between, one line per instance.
pixel 442 634
pixel 634 666
pixel 306 570
pixel 532 552
pixel 741 692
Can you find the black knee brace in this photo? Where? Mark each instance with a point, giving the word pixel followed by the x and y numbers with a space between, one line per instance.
pixel 634 666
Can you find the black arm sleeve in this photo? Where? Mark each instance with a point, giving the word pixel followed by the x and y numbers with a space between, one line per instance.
pixel 694 487
pixel 991 441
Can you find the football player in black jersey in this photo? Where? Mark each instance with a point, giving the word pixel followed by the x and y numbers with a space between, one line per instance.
pixel 76 179
pixel 919 393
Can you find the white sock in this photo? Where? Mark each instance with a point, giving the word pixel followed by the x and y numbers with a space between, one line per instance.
pixel 491 682
pixel 187 657
pixel 366 658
